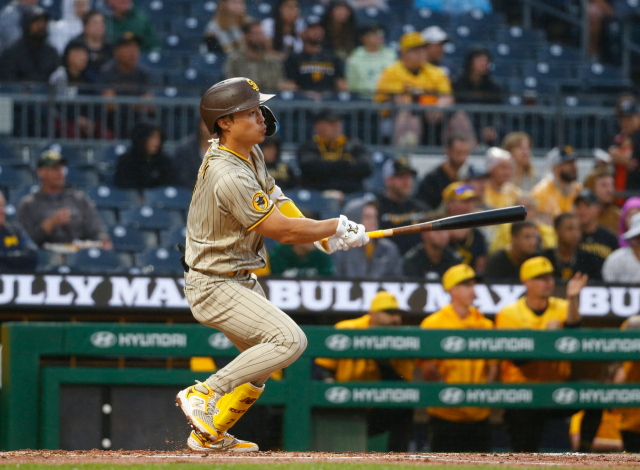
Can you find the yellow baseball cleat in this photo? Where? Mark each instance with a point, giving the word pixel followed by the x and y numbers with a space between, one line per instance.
pixel 224 443
pixel 198 403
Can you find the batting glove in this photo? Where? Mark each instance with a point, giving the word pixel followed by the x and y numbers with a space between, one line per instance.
pixel 333 244
pixel 353 234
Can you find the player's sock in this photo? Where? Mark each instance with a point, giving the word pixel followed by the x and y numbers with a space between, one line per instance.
pixel 235 404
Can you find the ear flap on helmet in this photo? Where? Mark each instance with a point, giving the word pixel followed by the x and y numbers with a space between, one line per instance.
pixel 270 120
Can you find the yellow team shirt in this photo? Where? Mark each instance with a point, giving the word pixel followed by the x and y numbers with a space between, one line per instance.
pixel 397 79
pixel 460 370
pixel 609 429
pixel 502 237
pixel 506 197
pixel 550 200
pixel 519 316
pixel 630 420
pixel 365 370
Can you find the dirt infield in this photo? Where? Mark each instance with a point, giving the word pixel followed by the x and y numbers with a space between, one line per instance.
pixel 261 458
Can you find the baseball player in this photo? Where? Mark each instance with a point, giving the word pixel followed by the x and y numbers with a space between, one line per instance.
pixel 235 204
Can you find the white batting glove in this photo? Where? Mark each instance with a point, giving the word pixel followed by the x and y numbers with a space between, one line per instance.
pixel 353 234
pixel 333 244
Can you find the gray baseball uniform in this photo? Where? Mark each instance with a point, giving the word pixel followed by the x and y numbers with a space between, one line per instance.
pixel 231 199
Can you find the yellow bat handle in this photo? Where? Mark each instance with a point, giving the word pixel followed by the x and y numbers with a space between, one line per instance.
pixel 376 234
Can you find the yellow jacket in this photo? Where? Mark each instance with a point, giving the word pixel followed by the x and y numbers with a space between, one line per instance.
pixel 429 82
pixel 502 236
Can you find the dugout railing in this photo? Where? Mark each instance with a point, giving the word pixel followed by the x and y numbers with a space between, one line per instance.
pixel 29 407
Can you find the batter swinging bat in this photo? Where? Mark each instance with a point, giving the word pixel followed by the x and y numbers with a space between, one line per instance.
pixel 474 219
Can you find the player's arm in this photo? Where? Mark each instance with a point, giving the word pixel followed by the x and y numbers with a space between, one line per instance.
pixel 296 231
pixel 574 286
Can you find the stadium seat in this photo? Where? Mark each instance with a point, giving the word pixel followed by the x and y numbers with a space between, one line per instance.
pixel 161 61
pixel 168 198
pixel 82 178
pixel 47 260
pixel 171 238
pixel 182 42
pixel 193 77
pixel 203 9
pixel 474 17
pixel 12 177
pixel 312 200
pixel 477 33
pixel 16 194
pixel 95 260
pixel 113 198
pixel 10 212
pixel 127 239
pixel 192 25
pixel 598 75
pixel 148 218
pixel 208 62
pixel 516 35
pixel 425 17
pixel 259 10
pixel 108 216
pixel 557 53
pixel 160 261
pixel 9 156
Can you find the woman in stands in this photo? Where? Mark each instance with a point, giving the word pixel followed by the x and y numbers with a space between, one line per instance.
pixel 339 23
pixel 285 28
pixel 223 33
pixel 518 144
pixel 144 165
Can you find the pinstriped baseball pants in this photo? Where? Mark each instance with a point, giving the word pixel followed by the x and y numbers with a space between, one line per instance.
pixel 267 337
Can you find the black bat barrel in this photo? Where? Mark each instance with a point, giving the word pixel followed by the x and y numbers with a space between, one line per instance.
pixel 506 215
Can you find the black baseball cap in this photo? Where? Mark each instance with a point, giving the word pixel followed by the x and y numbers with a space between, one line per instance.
pixel 398 166
pixel 587 196
pixel 127 38
pixel 50 158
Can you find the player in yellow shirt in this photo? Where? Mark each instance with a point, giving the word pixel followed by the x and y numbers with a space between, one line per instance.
pixel 537 310
pixel 556 194
pixel 385 312
pixel 630 417
pixel 464 429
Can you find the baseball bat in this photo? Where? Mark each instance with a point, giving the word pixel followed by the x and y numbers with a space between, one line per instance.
pixel 506 215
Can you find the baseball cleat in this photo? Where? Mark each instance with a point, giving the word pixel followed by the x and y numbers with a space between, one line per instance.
pixel 198 403
pixel 224 443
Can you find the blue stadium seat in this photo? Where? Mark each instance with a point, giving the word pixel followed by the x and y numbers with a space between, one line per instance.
pixel 171 238
pixel 603 76
pixel 161 61
pixel 207 62
pixel 203 9
pixel 182 42
pixel 175 92
pixel 194 77
pixel 517 35
pixel 95 260
pixel 12 177
pixel 192 25
pixel 113 198
pixel 16 194
pixel 566 75
pixel 557 53
pixel 108 216
pixel 82 178
pixel 531 85
pixel 9 156
pixel 160 261
pixel 493 20
pixel 128 239
pixel 471 33
pixel 110 154
pixel 259 10
pixel 168 198
pixel 148 218
pixel 312 200
pixel 10 212
pixel 512 51
pixel 47 261
pixel 425 17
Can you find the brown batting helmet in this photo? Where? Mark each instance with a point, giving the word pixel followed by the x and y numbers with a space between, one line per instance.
pixel 230 96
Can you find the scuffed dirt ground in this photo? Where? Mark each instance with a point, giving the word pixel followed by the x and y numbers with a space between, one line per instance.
pixel 151 457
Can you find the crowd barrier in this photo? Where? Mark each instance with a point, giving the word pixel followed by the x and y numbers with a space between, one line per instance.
pixel 29 398
pixel 557 121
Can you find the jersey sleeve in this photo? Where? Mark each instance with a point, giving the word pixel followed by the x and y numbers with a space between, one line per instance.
pixel 241 196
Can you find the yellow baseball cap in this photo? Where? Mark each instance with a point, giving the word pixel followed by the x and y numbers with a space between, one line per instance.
pixel 411 41
pixel 535 267
pixel 456 275
pixel 458 192
pixel 384 301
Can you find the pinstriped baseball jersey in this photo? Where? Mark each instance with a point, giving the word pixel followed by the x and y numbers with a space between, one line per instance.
pixel 230 199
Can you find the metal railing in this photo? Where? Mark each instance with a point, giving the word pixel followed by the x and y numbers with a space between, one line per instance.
pixel 94 119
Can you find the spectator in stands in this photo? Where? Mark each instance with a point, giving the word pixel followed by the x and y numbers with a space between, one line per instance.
pixel 431 258
pixel 602 163
pixel 518 144
pixel 457 151
pixel 11 21
pixel 629 373
pixel 74 70
pixel 17 250
pixel 144 165
pixel 331 160
pixel 500 191
pixel 625 150
pixel 255 61
pixel 568 258
pixel 475 85
pixel 397 206
pixel 505 264
pixel 598 11
pixel 30 59
pixel 380 259
pixel 366 63
pixel 384 312
pixel 280 171
pixel 70 26
pixel 56 214
pixel 315 69
pixel 299 261
pixel 127 18
pixel 339 23
pixel 93 38
pixel 223 33
pixel 285 28
pixel 476 178
pixel 124 75
pixel 413 80
pixel 502 236
pixel 188 156
pixel 603 188
pixel 629 209
pixel 623 265
pixel 454 7
pixel 460 198
pixel 459 429
pixel 556 193
pixel 537 310
pixel 596 239
pixel 435 38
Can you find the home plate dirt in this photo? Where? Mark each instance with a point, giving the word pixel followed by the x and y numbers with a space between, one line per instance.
pixel 148 457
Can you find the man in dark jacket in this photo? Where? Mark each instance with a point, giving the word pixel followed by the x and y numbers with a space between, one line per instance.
pixel 330 160
pixel 188 156
pixel 30 59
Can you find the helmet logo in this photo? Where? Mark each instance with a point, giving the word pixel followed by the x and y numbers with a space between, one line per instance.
pixel 260 201
pixel 253 85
